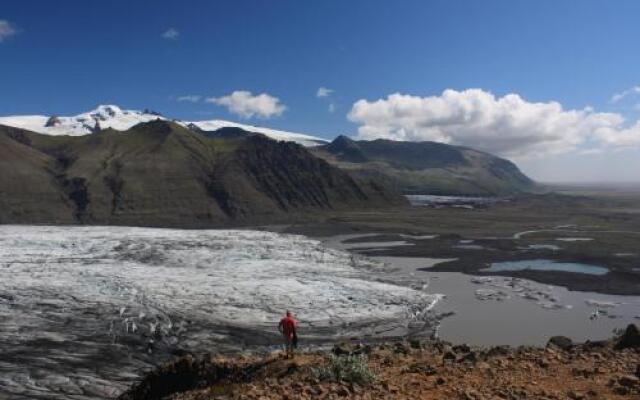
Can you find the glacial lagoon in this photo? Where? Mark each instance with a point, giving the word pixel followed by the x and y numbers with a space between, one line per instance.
pixel 546 265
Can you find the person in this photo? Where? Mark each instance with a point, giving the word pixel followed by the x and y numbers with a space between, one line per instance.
pixel 288 327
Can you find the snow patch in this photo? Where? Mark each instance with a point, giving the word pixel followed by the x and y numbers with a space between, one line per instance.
pixel 300 138
pixel 112 116
pixel 104 116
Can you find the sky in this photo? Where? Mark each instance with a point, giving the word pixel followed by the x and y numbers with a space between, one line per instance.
pixel 551 85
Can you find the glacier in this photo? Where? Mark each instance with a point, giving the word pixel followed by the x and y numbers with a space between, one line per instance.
pixel 102 117
pixel 275 134
pixel 84 311
pixel 114 117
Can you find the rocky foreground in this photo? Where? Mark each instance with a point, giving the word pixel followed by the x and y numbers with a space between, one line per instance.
pixel 411 370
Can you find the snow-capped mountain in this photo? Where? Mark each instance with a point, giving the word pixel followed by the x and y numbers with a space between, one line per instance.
pixel 111 116
pixel 104 116
pixel 300 138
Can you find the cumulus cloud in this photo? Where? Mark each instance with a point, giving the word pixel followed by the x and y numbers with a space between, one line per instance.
pixel 171 34
pixel 618 135
pixel 6 30
pixel 246 105
pixel 616 98
pixel 324 92
pixel 508 125
pixel 327 95
pixel 191 98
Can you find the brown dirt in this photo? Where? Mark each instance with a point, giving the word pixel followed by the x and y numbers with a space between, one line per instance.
pixel 433 370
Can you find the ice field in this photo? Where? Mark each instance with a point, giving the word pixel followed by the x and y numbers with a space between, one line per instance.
pixel 84 310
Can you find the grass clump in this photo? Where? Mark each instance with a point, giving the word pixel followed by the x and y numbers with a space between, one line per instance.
pixel 346 368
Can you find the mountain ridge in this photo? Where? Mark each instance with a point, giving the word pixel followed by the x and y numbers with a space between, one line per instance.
pixel 427 167
pixel 160 173
pixel 112 116
pixel 407 167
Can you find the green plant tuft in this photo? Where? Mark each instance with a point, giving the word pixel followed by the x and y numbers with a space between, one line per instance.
pixel 349 368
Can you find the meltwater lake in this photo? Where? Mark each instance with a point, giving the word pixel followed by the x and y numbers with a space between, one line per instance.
pixel 546 265
pixel 499 310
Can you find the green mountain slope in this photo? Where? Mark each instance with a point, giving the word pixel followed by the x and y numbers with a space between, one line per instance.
pixel 160 173
pixel 427 167
pixel 28 192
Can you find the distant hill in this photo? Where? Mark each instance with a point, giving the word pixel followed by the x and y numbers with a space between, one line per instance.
pixel 426 167
pixel 407 167
pixel 162 173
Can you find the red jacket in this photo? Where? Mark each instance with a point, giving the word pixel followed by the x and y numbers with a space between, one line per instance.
pixel 288 326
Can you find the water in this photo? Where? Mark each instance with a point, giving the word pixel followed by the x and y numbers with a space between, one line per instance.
pixel 518 311
pixel 523 313
pixel 546 265
pixel 433 200
pixel 520 320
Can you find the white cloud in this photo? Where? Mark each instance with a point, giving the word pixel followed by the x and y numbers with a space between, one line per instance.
pixel 508 125
pixel 191 98
pixel 324 92
pixel 171 34
pixel 246 105
pixel 625 93
pixel 619 136
pixel 6 30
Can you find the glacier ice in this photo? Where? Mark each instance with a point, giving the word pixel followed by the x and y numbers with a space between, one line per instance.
pixel 84 310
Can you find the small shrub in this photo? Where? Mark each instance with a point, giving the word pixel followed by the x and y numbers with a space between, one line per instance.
pixel 347 368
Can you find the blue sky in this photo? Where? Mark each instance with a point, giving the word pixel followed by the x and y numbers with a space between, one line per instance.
pixel 66 57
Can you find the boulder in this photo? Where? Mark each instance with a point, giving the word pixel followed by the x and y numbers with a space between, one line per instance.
pixel 629 381
pixel 621 390
pixel 421 368
pixel 469 357
pixel 561 342
pixel 461 348
pixel 345 349
pixel 401 348
pixel 543 363
pixel 442 346
pixel 497 351
pixel 629 339
pixel 575 395
pixel 595 344
pixel 448 356
pixel 341 350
